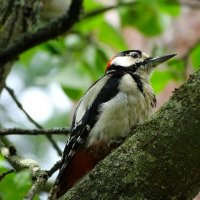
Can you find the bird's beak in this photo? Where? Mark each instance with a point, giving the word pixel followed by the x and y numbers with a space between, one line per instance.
pixel 157 61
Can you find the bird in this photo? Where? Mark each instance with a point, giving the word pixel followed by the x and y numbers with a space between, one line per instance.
pixel 122 98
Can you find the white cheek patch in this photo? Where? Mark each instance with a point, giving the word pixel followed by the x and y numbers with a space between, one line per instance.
pixel 124 61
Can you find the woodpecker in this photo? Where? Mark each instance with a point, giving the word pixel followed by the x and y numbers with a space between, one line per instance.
pixel 122 98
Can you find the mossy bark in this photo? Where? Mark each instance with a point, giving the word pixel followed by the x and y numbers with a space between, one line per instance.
pixel 160 160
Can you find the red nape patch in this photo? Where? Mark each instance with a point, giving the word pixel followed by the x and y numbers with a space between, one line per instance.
pixel 109 63
pixel 81 163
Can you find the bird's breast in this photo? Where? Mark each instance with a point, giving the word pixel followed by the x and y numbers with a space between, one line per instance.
pixel 128 108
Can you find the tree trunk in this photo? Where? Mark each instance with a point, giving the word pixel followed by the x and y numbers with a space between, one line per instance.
pixel 17 18
pixel 160 160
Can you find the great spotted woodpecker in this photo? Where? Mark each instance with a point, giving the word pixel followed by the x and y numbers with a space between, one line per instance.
pixel 122 98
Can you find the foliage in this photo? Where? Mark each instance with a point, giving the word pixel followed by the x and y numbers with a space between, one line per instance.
pixel 195 55
pixel 154 20
pixel 15 185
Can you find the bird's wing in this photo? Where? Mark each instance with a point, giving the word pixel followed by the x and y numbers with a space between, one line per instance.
pixel 86 115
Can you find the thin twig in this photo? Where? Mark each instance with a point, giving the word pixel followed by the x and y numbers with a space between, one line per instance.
pixel 4 174
pixel 10 154
pixel 105 9
pixel 41 180
pixel 19 105
pixel 19 131
pixel 36 187
pixel 40 176
pixel 194 5
pixel 54 144
pixel 56 166
pixel 4 141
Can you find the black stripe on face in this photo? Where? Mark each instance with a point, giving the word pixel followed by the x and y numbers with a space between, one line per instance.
pixel 138 81
pixel 132 68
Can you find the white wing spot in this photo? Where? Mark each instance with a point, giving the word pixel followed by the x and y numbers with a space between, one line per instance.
pixel 71 153
pixel 79 139
pixel 88 127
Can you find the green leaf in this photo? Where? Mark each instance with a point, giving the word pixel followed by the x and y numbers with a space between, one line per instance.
pixel 26 57
pixel 75 42
pixel 94 60
pixel 104 32
pixel 195 56
pixel 15 186
pixel 159 80
pixel 89 25
pixel 1 159
pixel 74 94
pixel 111 36
pixel 101 59
pixel 74 76
pixel 147 22
pixel 91 5
pixel 150 17
pixel 55 46
pixel 171 7
pixel 74 79
pixel 176 68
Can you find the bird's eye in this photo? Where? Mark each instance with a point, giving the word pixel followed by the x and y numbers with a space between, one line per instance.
pixel 134 55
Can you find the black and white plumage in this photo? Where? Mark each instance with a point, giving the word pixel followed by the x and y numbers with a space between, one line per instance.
pixel 122 98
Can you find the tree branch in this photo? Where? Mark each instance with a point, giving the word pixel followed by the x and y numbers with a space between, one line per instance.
pixel 4 174
pixel 45 33
pixel 19 105
pixel 56 28
pixel 39 176
pixel 37 185
pixel 10 154
pixel 160 160
pixel 105 9
pixel 195 5
pixel 19 131
pixel 5 12
pixel 54 168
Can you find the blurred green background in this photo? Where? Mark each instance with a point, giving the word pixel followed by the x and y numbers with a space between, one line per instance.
pixel 50 78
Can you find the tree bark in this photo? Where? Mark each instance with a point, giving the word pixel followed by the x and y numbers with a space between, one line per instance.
pixel 160 160
pixel 15 20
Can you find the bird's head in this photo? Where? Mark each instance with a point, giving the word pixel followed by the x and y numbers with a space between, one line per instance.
pixel 135 61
